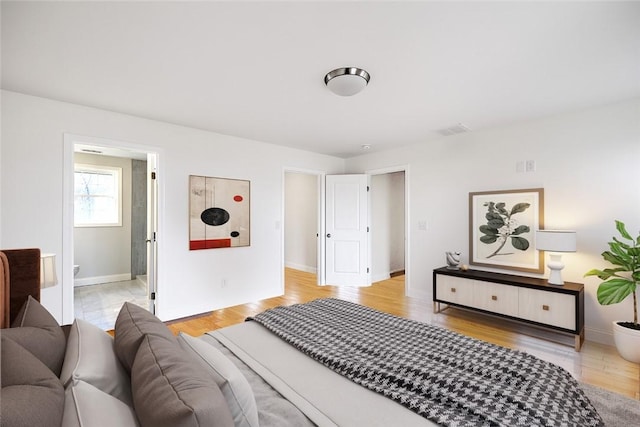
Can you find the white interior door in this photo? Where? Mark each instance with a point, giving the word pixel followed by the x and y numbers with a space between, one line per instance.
pixel 347 230
pixel 152 229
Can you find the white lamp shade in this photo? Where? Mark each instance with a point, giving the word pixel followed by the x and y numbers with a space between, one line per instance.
pixel 346 81
pixel 48 270
pixel 556 240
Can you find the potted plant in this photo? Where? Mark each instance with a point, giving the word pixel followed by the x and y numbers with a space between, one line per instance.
pixel 620 282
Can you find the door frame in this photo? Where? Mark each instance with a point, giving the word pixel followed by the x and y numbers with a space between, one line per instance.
pixel 69 141
pixel 153 192
pixel 407 235
pixel 320 244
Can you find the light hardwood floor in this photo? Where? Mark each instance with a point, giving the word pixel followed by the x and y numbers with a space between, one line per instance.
pixel 596 364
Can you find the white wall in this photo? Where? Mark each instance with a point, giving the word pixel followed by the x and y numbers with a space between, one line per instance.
pixel 387 224
pixel 189 282
pixel 587 163
pixel 104 253
pixel 301 221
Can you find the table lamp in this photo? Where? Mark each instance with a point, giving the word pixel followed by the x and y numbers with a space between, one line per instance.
pixel 555 241
pixel 48 276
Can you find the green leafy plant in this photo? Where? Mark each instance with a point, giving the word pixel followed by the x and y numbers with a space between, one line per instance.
pixel 622 280
pixel 501 227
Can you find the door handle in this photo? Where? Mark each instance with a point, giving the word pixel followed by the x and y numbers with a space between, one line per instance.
pixel 328 235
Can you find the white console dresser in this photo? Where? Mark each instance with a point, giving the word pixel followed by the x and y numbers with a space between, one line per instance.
pixel 526 299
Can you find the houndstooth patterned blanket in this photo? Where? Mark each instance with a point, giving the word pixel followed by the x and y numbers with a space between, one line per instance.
pixel 443 376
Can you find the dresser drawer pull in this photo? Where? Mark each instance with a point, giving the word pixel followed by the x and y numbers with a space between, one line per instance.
pixel 545 307
pixel 494 298
pixel 453 290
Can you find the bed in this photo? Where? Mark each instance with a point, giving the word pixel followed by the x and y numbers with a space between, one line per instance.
pixel 346 364
pixel 327 362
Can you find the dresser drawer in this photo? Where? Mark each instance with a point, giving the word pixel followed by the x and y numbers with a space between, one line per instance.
pixel 455 290
pixel 496 298
pixel 550 308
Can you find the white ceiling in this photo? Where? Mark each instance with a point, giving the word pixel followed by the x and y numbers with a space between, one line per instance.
pixel 256 69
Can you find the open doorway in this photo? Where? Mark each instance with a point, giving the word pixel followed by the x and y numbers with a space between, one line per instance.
pixel 304 206
pixel 389 244
pixel 301 221
pixel 113 220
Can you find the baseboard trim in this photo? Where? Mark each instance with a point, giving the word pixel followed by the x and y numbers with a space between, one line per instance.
pixel 380 277
pixel 300 267
pixel 386 276
pixel 142 279
pixel 96 280
pixel 397 273
pixel 419 295
pixel 597 335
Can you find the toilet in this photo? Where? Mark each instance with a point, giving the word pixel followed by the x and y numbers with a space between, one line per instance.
pixel 76 268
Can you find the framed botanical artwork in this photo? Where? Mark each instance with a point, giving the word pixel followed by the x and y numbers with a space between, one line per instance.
pixel 502 226
pixel 218 212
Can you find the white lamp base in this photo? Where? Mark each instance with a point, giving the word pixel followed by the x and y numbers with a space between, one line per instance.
pixel 555 269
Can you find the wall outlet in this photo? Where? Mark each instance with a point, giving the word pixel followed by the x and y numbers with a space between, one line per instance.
pixel 531 166
pixel 422 225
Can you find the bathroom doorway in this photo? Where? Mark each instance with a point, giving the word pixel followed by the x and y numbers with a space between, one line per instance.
pixel 113 220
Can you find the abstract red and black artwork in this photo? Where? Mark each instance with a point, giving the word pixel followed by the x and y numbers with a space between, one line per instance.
pixel 219 213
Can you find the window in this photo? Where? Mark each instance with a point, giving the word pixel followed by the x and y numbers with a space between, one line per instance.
pixel 97 196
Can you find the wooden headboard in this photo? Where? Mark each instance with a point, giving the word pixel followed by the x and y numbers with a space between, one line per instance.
pixel 20 277
pixel 4 291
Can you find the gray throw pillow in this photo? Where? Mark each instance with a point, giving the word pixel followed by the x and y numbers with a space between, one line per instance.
pixel 86 406
pixel 233 384
pixel 170 389
pixel 132 324
pixel 36 330
pixel 31 394
pixel 91 357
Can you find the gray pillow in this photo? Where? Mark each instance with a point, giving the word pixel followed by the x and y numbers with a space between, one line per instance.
pixel 36 330
pixel 171 390
pixel 233 384
pixel 91 357
pixel 132 324
pixel 31 394
pixel 86 406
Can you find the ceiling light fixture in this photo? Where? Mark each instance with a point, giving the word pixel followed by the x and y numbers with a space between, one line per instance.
pixel 346 81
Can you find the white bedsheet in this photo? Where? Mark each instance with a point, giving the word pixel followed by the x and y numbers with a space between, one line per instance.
pixel 325 397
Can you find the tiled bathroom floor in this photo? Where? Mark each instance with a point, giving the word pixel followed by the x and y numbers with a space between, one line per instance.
pixel 100 304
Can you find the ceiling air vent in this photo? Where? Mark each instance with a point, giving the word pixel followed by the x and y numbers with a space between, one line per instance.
pixel 453 130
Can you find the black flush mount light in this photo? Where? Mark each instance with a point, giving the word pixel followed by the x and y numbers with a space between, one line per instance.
pixel 346 81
